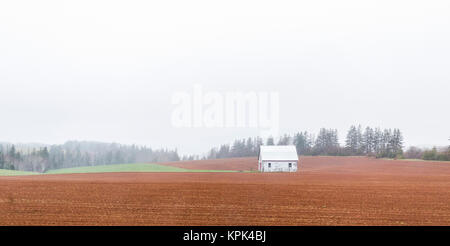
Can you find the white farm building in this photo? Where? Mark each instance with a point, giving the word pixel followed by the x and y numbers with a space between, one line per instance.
pixel 278 158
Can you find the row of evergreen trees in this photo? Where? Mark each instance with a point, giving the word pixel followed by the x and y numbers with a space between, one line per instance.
pixel 382 143
pixel 75 154
pixel 372 142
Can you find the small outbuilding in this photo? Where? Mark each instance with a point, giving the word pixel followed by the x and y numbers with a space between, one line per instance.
pixel 278 158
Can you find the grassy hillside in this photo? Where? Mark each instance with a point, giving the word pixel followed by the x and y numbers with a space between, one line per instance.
pixel 4 172
pixel 138 167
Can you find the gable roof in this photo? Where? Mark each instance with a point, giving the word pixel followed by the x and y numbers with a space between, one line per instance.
pixel 278 153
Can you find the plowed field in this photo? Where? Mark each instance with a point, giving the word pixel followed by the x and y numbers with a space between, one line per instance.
pixel 325 191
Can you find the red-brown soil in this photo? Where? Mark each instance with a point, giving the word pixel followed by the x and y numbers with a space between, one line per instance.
pixel 236 164
pixel 325 191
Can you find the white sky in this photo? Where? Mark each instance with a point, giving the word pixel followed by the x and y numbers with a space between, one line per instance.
pixel 106 70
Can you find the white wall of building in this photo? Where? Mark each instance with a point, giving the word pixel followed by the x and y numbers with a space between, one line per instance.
pixel 278 166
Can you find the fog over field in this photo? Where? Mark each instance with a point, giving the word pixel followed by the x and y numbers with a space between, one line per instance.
pixel 108 70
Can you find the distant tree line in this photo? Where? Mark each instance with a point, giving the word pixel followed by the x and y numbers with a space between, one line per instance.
pixel 371 142
pixel 434 154
pixel 75 154
pixel 240 148
pixel 376 142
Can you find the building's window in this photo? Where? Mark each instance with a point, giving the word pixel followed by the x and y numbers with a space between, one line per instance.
pixel 270 165
pixel 290 165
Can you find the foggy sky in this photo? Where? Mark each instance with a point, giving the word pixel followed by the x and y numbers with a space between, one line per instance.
pixel 106 70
